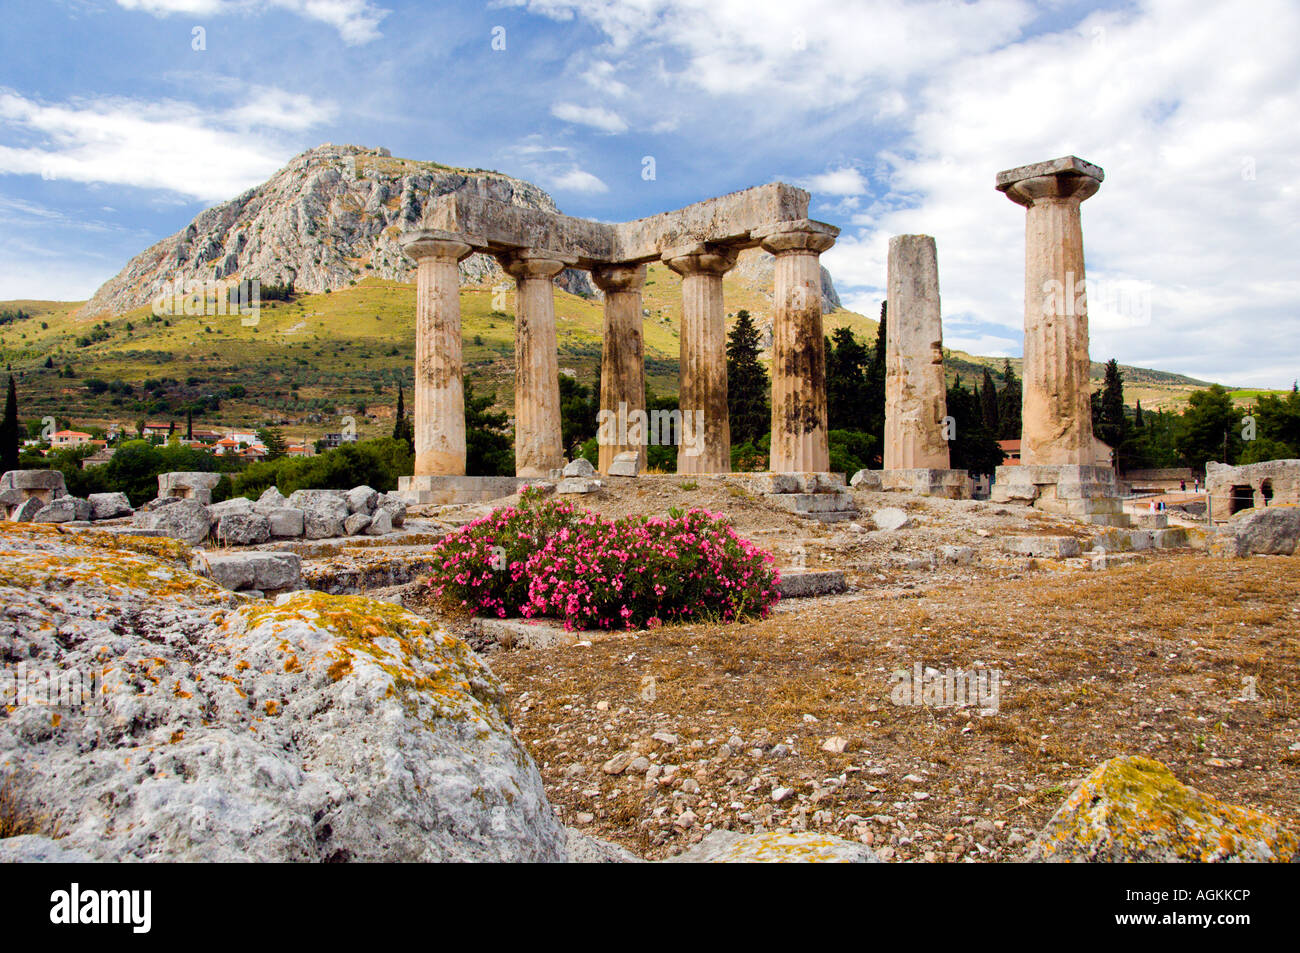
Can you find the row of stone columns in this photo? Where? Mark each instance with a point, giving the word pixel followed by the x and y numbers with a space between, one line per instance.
pixel 799 431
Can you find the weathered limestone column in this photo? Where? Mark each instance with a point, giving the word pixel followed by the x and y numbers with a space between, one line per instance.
pixel 538 445
pixel 798 348
pixel 915 391
pixel 622 375
pixel 705 445
pixel 1057 414
pixel 439 389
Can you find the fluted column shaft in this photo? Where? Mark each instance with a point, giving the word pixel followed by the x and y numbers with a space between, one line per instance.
pixel 799 431
pixel 538 445
pixel 915 391
pixel 705 445
pixel 622 373
pixel 439 384
pixel 1057 411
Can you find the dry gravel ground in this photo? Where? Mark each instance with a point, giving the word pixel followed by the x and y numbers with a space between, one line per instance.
pixel 651 738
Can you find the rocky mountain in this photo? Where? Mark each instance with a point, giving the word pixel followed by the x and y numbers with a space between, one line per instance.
pixel 331 217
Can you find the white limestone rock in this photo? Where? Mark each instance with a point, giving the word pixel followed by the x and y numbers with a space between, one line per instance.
pixel 362 499
pixel 107 506
pixel 580 467
pixel 890 518
pixel 243 529
pixel 320 728
pixel 185 520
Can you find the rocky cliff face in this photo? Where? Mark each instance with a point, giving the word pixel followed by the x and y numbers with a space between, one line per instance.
pixel 330 217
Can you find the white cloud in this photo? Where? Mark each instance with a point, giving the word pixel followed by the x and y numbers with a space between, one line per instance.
pixel 578 180
pixel 357 21
pixel 203 154
pixel 842 181
pixel 595 116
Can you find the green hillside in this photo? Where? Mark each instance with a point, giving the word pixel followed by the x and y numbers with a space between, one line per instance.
pixel 309 362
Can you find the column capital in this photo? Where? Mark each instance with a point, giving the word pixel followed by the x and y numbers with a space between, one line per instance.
pixel 618 277
pixel 1068 178
pixel 436 243
pixel 800 235
pixel 700 258
pixel 534 263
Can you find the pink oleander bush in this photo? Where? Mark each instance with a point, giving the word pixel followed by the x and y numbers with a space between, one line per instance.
pixel 547 558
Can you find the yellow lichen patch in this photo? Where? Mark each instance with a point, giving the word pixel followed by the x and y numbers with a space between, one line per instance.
pixel 433 675
pixel 1130 807
pixel 785 847
pixel 272 707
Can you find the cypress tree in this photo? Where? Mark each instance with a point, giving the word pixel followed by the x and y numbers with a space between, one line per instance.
pixel 847 385
pixel 1009 401
pixel 9 430
pixel 989 403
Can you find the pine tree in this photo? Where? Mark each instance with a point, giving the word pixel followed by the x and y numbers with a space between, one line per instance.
pixel 274 442
pixel 847 361
pixel 874 414
pixel 747 383
pixel 9 430
pixel 989 403
pixel 489 445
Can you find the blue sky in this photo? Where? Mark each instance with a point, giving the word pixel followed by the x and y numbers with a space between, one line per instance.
pixel 115 130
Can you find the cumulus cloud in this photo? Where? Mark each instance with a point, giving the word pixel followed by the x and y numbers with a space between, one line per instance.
pixel 357 21
pixel 594 116
pixel 198 153
pixel 1199 142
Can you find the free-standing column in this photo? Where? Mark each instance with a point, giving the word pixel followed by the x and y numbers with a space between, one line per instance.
pixel 915 392
pixel 798 349
pixel 1057 414
pixel 439 389
pixel 538 446
pixel 705 441
pixel 622 373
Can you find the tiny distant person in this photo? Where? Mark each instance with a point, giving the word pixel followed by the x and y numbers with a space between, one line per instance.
pixel 1182 485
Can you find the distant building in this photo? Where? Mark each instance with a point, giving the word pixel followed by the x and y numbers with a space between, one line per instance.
pixel 226 445
pixel 69 438
pixel 332 440
pixel 1102 455
pixel 1011 451
pixel 255 452
pixel 156 430
pixel 298 450
pixel 98 459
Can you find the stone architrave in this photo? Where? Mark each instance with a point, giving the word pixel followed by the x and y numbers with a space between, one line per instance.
pixel 915 391
pixel 622 375
pixel 439 383
pixel 1057 413
pixel 705 441
pixel 538 444
pixel 799 426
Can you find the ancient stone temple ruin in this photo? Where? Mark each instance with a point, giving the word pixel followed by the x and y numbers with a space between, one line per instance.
pixel 1057 444
pixel 700 243
pixel 917 426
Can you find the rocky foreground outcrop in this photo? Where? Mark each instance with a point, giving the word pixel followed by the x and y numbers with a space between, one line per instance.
pixel 1134 809
pixel 319 728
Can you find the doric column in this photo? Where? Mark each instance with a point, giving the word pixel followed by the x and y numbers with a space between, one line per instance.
pixel 439 388
pixel 798 349
pixel 538 445
pixel 622 369
pixel 915 391
pixel 1057 413
pixel 705 441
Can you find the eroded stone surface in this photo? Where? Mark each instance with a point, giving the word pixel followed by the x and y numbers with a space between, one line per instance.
pixel 1134 809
